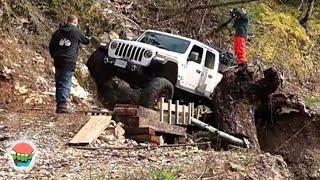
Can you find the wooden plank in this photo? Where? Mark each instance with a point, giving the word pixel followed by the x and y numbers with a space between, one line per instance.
pixel 192 109
pixel 139 111
pixel 141 122
pixel 91 130
pixel 128 111
pixel 177 112
pixel 189 113
pixel 198 113
pixel 162 127
pixel 146 138
pixel 170 112
pixel 161 109
pixel 140 131
pixel 166 106
pixel 183 115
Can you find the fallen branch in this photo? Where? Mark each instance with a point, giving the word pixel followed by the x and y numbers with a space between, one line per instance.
pixel 210 6
pixel 132 21
pixel 140 147
pixel 204 15
pixel 227 137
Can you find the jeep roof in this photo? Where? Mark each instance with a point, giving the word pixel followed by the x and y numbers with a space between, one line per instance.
pixel 178 36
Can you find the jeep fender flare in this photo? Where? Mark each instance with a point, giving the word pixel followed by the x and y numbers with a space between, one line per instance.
pixel 169 71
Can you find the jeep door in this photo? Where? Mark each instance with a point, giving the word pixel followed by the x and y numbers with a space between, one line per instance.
pixel 210 77
pixel 194 68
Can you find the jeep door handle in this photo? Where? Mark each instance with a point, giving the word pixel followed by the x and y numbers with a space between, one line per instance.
pixel 198 71
pixel 210 77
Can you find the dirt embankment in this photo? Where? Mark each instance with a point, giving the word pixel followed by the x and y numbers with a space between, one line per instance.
pixel 296 138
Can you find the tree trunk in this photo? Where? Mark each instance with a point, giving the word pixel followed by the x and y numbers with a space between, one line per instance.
pixel 305 19
pixel 236 99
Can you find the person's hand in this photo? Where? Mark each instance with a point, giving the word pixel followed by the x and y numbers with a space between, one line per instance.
pixel 243 10
pixel 232 13
pixel 88 31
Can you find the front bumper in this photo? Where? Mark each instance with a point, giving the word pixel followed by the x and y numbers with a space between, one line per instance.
pixel 124 65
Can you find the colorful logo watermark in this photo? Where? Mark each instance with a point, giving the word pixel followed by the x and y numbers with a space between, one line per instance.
pixel 22 155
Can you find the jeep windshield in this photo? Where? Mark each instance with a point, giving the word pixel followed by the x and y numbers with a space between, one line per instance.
pixel 166 42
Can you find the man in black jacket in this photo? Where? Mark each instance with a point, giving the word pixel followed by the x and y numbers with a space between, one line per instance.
pixel 63 49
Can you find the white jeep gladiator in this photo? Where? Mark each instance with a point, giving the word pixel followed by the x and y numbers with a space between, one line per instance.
pixel 162 65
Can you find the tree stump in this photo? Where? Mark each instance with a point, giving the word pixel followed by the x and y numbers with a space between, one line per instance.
pixel 236 99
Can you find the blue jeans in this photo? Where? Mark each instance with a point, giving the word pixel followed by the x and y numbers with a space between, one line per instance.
pixel 63 79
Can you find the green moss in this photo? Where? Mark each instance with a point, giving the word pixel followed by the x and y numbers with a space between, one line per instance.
pixel 312 100
pixel 280 40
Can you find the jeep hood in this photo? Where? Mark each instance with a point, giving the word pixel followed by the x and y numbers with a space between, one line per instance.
pixel 164 52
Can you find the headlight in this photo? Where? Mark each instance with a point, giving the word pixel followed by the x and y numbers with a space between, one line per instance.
pixel 148 54
pixel 114 45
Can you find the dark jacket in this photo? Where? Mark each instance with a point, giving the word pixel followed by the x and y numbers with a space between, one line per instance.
pixel 241 24
pixel 64 46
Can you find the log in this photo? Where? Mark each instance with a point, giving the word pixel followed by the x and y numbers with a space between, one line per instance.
pixel 207 6
pixel 224 136
pixel 237 97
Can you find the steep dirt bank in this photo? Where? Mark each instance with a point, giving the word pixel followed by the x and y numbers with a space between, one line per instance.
pixel 296 138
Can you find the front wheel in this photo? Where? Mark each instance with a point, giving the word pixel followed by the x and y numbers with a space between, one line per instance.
pixel 156 89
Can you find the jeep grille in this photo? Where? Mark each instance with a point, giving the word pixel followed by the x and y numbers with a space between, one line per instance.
pixel 129 51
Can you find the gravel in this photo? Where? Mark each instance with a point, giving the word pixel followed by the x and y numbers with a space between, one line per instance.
pixel 50 133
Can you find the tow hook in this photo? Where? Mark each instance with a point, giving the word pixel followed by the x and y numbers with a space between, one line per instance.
pixel 106 60
pixel 134 68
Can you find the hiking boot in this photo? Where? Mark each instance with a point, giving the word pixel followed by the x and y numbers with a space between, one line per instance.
pixel 64 111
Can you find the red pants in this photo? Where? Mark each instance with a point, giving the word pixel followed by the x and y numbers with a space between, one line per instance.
pixel 240 49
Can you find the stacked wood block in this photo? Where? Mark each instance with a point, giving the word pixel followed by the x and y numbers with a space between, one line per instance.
pixel 143 125
pixel 174 113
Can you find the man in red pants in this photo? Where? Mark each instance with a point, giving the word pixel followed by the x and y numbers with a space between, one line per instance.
pixel 241 26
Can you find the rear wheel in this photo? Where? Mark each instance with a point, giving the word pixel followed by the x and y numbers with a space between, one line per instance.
pixel 156 89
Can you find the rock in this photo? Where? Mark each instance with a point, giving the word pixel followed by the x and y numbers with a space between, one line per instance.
pixel 6 73
pixel 82 75
pixel 115 153
pixel 234 167
pixel 129 35
pixel 104 38
pixel 113 35
pixel 142 156
pixel 21 89
pixel 119 131
pixel 78 91
pixel 152 159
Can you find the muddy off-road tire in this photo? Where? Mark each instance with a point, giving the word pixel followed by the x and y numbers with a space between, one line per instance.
pixel 97 68
pixel 157 88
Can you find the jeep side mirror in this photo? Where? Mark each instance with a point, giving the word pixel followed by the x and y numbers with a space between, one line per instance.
pixel 194 56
